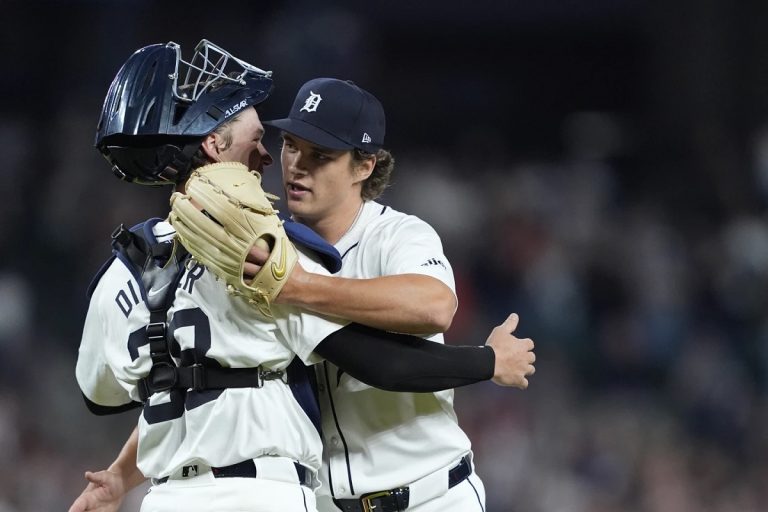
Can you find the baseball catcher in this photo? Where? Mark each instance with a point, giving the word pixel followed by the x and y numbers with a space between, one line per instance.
pixel 223 213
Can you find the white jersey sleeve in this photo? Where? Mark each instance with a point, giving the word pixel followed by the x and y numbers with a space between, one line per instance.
pixel 104 367
pixel 411 246
pixel 385 242
pixel 300 330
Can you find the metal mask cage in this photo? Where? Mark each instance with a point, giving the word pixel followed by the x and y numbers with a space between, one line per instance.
pixel 209 64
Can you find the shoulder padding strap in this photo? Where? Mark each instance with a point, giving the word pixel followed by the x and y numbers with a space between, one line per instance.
pixel 134 247
pixel 154 264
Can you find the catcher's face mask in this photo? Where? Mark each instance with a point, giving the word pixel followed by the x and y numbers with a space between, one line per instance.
pixel 160 106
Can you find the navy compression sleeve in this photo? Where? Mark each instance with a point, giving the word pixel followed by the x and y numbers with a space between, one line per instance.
pixel 399 362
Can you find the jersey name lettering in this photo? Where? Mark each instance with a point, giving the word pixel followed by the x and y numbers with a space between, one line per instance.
pixel 123 302
pixel 193 275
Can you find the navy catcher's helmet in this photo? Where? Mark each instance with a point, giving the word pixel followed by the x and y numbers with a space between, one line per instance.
pixel 153 122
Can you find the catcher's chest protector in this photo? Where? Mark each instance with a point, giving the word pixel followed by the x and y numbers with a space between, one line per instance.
pixel 158 268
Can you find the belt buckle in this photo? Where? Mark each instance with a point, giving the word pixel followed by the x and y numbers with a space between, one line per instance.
pixel 265 375
pixel 366 500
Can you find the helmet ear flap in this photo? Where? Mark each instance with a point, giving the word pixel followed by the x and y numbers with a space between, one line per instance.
pixel 182 163
pixel 159 164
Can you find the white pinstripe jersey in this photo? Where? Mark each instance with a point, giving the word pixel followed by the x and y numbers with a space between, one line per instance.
pixel 373 439
pixel 213 427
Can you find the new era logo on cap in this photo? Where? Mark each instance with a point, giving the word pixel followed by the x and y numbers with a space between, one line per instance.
pixel 346 112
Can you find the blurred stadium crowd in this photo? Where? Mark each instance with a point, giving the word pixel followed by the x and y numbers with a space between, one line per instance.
pixel 612 191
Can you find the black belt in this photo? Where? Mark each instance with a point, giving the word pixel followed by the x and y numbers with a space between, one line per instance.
pixel 245 469
pixel 396 500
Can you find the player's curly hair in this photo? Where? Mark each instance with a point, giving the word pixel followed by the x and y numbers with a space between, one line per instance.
pixel 379 179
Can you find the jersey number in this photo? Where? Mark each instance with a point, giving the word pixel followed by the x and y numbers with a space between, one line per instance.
pixel 180 400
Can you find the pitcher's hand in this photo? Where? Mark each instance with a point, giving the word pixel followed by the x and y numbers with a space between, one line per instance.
pixel 514 356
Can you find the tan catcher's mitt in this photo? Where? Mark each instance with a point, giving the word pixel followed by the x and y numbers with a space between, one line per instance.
pixel 223 213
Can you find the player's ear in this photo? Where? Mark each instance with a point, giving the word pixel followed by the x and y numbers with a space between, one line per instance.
pixel 364 168
pixel 210 147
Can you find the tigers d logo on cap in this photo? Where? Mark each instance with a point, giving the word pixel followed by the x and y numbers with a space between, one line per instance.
pixel 350 117
pixel 312 103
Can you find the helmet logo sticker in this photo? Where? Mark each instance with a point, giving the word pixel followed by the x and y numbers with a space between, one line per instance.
pixel 311 103
pixel 235 108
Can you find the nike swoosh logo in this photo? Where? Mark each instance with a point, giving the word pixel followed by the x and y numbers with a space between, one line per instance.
pixel 153 293
pixel 278 271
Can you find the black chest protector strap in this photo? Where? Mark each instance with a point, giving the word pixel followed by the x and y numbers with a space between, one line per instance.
pixel 159 266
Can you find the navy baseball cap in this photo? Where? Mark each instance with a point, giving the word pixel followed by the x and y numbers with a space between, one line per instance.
pixel 335 114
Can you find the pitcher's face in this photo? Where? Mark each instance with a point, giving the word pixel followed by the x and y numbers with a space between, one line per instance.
pixel 318 181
